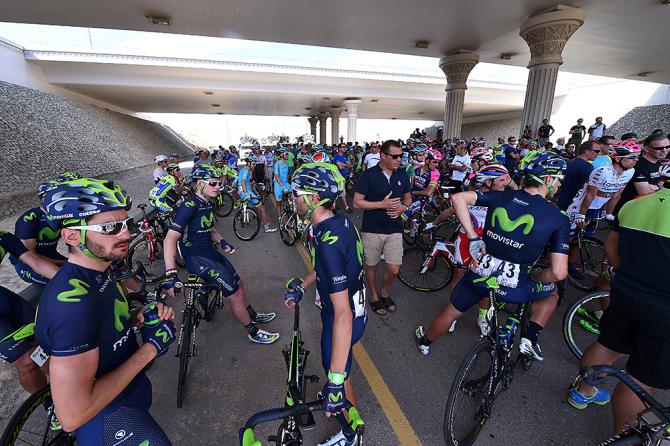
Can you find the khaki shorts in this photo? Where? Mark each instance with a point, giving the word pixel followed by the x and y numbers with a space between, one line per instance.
pixel 376 245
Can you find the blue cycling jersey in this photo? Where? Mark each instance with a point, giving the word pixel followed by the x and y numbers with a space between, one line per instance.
pixel 32 224
pixel 244 177
pixel 194 220
pixel 281 170
pixel 344 159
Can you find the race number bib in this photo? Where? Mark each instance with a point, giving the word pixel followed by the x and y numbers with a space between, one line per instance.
pixel 39 357
pixel 359 302
pixel 507 273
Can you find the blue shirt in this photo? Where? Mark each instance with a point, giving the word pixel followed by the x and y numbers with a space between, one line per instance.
pixel 576 175
pixel 194 220
pixel 32 224
pixel 344 159
pixel 244 177
pixel 281 170
pixel 374 186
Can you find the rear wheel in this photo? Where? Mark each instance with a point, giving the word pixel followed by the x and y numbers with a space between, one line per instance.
pixel 246 224
pixel 140 250
pixel 188 326
pixel 581 322
pixel 438 275
pixel 591 263
pixel 287 228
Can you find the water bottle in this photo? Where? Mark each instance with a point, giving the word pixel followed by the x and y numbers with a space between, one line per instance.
pixel 506 332
pixel 150 312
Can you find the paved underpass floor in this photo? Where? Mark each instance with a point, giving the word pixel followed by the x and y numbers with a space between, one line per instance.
pixel 401 393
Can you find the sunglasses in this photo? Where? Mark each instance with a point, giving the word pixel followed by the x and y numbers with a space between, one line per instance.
pixel 630 157
pixel 298 193
pixel 109 228
pixel 215 183
pixel 395 157
pixel 594 151
pixel 659 147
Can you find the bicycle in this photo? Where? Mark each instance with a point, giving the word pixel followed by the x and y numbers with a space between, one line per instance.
pixel 224 202
pixel 581 321
pixel 485 372
pixel 296 413
pixel 291 226
pixel 653 423
pixel 199 304
pixel 246 222
pixel 435 266
pixel 591 264
pixel 425 211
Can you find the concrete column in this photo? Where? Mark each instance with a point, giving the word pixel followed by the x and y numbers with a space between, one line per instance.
pixel 335 113
pixel 352 116
pixel 312 125
pixel 323 118
pixel 546 34
pixel 456 67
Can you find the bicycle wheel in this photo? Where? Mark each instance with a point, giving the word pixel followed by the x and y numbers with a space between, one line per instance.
pixel 590 265
pixel 439 274
pixel 469 400
pixel 287 228
pixel 223 204
pixel 179 259
pixel 627 438
pixel 140 251
pixel 187 329
pixel 246 224
pixel 31 424
pixel 581 322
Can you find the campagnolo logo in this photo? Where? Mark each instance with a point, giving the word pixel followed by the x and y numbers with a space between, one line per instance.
pixel 83 214
pixel 120 434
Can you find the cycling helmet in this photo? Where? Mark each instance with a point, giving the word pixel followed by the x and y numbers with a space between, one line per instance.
pixel 160 158
pixel 279 150
pixel 45 187
pixel 542 164
pixel 71 201
pixel 625 148
pixel 67 176
pixel 321 179
pixel 305 158
pixel 491 173
pixel 251 158
pixel 320 157
pixel 420 149
pixel 172 167
pixel 483 157
pixel 434 155
pixel 205 171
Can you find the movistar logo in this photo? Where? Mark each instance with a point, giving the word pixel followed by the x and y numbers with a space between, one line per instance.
pixel 213 274
pixel 335 397
pixel 500 215
pixel 29 217
pixel 79 288
pixel 2 253
pixel 46 233
pixel 189 204
pixel 206 222
pixel 120 310
pixel 163 335
pixel 330 239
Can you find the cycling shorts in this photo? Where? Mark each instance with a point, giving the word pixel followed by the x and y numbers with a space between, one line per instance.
pixel 15 313
pixel 468 293
pixel 215 269
pixel 125 421
pixel 27 274
pixel 632 327
pixel 253 199
pixel 279 191
pixel 590 228
pixel 357 329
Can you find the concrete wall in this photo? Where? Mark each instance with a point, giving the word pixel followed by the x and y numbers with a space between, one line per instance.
pixel 491 130
pixel 42 135
pixel 642 120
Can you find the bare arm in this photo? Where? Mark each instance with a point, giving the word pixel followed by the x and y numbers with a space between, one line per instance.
pixel 612 248
pixel 39 264
pixel 556 272
pixel 590 194
pixel 342 330
pixel 31 245
pixel 427 192
pixel 361 203
pixel 170 246
pixel 460 202
pixel 644 188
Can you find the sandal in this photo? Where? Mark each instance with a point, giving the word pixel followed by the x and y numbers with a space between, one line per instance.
pixel 378 307
pixel 388 303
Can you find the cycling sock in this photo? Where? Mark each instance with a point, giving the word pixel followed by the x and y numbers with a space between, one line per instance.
pixel 252 312
pixel 533 331
pixel 424 341
pixel 482 312
pixel 251 328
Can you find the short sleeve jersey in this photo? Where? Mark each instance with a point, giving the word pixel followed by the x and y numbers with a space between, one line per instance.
pixel 643 225
pixel 159 173
pixel 11 245
pixel 244 176
pixel 576 176
pixel 82 309
pixel 166 185
pixel 344 159
pixel 281 170
pixel 645 172
pixel 374 185
pixel 607 181
pixel 519 225
pixel 32 224
pixel 337 257
pixel 194 220
pixel 459 160
pixel 422 180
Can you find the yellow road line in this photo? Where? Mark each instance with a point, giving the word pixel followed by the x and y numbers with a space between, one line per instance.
pixel 396 417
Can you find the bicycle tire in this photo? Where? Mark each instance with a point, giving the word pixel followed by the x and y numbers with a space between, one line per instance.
pixel 570 317
pixel 627 438
pixel 179 258
pixel 22 416
pixel 184 353
pixel 254 224
pixel 591 257
pixel 483 346
pixel 410 270
pixel 139 250
pixel 287 230
pixel 224 207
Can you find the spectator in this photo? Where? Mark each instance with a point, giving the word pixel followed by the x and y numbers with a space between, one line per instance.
pixel 290 161
pixel 605 147
pixel 269 167
pixel 577 173
pixel 544 132
pixel 202 158
pixel 569 152
pixel 341 160
pixel 459 166
pixel 372 158
pixel 577 133
pixel 597 130
pixel 383 193
pixel 527 133
pixel 259 168
pixel 560 146
pixel 511 155
pixel 524 146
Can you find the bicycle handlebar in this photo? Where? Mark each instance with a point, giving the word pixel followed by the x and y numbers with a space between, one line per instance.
pixel 247 437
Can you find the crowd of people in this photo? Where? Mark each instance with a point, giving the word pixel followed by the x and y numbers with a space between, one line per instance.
pixel 517 200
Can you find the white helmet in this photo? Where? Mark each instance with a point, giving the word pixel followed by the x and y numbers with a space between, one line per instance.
pixel 160 158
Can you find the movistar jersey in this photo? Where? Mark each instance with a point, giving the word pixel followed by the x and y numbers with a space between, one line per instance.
pixel 337 257
pixel 519 225
pixel 194 219
pixel 423 180
pixel 11 245
pixel 82 309
pixel 32 224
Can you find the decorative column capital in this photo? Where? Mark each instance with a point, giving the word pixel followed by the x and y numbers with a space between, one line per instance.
pixel 547 32
pixel 323 117
pixel 457 67
pixel 312 120
pixel 352 106
pixel 335 112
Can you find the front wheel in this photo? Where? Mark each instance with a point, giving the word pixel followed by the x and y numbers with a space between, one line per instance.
pixel 581 322
pixel 439 270
pixel 246 224
pixel 223 204
pixel 287 228
pixel 150 255
pixel 591 263
pixel 187 328
pixel 469 401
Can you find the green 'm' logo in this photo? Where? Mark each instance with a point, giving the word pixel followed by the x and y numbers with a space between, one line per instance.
pixel 46 233
pixel 213 274
pixel 500 215
pixel 144 443
pixel 79 288
pixel 335 397
pixel 29 217
pixel 2 253
pixel 206 222
pixel 330 239
pixel 189 204
pixel 120 310
pixel 163 335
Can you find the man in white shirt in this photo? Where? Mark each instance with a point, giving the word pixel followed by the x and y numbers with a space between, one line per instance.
pixel 598 129
pixel 372 158
pixel 459 167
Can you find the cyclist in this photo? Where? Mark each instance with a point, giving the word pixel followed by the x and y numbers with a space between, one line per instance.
pixel 417 158
pixel 341 160
pixel 247 192
pixel 194 225
pixel 519 224
pixel 96 368
pixel 166 193
pixel 159 172
pixel 38 237
pixel 426 179
pixel 337 258
pixel 459 166
pixel 280 177
pixel 17 316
